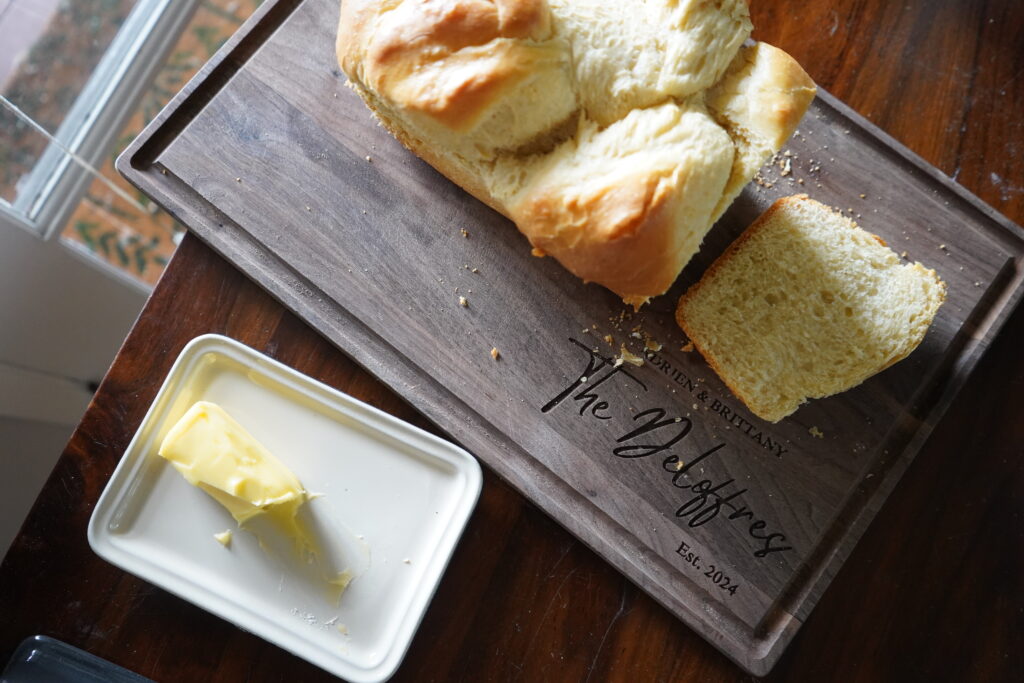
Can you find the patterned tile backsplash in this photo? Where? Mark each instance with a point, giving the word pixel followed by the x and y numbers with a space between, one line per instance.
pixel 110 228
pixel 48 50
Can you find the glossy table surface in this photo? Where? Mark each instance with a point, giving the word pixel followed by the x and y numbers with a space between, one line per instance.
pixel 932 592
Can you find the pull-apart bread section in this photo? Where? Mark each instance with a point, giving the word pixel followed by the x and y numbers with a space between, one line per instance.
pixel 614 134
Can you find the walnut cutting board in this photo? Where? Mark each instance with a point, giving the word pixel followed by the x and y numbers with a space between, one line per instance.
pixel 735 525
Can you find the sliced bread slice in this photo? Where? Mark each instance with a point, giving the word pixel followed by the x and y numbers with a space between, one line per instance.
pixel 805 304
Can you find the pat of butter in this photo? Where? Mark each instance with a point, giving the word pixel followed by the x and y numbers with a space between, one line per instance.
pixel 212 451
pixel 215 453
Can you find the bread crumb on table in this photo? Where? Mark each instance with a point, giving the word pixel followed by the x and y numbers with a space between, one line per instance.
pixel 463 302
pixel 495 353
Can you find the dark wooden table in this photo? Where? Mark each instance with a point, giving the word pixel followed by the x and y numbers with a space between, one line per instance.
pixel 933 592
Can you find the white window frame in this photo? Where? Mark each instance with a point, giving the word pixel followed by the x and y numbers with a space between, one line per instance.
pixel 57 182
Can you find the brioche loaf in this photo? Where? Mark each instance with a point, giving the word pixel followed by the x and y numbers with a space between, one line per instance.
pixel 804 305
pixel 612 133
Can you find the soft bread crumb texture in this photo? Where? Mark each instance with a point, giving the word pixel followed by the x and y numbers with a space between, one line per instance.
pixel 614 134
pixel 805 304
pixel 633 55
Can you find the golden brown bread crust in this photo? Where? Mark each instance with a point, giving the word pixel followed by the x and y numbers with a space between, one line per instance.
pixel 416 54
pixel 760 101
pixel 772 110
pixel 381 36
pixel 450 77
pixel 631 227
pixel 608 235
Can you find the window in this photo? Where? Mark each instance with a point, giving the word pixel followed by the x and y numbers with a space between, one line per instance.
pixel 70 73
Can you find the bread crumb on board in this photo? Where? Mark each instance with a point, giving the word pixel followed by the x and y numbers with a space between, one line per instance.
pixel 687 348
pixel 816 433
pixel 495 353
pixel 625 356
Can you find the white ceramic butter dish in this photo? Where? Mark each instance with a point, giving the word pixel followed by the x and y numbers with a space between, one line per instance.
pixel 394 501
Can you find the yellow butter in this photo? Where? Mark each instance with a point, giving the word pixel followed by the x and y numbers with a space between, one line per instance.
pixel 212 451
pixel 224 538
pixel 215 453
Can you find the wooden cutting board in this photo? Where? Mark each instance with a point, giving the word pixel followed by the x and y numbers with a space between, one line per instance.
pixel 735 525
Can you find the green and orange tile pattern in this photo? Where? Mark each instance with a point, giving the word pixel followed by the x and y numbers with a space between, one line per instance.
pixel 141 242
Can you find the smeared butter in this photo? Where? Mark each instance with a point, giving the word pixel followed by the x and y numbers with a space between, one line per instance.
pixel 337 586
pixel 216 454
pixel 212 451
